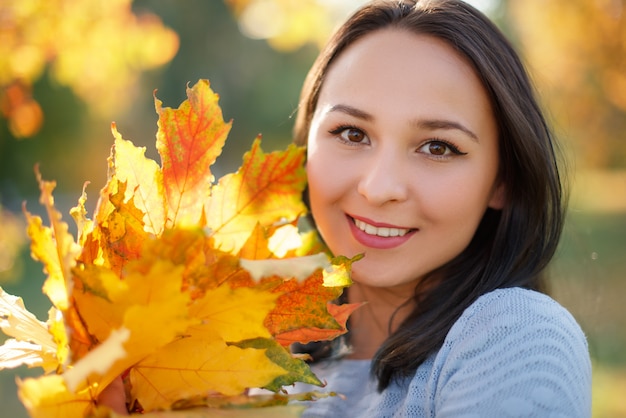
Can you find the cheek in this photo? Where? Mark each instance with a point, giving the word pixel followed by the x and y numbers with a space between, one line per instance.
pixel 320 199
pixel 329 188
pixel 458 201
pixel 322 189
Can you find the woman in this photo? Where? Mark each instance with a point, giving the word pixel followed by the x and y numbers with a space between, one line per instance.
pixel 427 152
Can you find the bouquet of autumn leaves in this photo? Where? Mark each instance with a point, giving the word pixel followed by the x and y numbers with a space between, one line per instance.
pixel 190 288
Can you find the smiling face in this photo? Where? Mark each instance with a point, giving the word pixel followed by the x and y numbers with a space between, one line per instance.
pixel 402 156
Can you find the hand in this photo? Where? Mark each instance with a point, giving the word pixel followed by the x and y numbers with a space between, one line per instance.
pixel 114 397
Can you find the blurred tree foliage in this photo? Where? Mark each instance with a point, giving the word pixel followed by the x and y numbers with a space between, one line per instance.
pixel 259 87
pixel 577 50
pixel 86 44
pixel 12 239
pixel 288 25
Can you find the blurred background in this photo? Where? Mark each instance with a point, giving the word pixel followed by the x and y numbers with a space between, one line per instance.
pixel 68 68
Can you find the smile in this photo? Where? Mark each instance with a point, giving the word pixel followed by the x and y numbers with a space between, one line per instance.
pixel 381 237
pixel 380 231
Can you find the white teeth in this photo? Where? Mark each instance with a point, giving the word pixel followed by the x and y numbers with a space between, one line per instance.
pixel 381 232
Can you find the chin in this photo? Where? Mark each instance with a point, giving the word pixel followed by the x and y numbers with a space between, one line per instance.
pixel 383 280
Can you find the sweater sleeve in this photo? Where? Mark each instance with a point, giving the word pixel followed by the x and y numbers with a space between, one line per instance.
pixel 514 353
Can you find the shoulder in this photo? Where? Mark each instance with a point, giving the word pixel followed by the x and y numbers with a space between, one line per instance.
pixel 513 350
pixel 514 309
pixel 514 312
pixel 516 320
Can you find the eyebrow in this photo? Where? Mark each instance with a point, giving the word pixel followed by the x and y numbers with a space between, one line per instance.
pixel 430 124
pixel 352 111
pixel 434 124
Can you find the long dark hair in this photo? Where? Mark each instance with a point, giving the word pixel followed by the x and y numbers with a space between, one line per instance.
pixel 511 246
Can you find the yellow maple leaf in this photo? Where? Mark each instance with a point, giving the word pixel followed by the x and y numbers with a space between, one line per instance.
pixel 60 332
pixel 47 396
pixel 233 314
pixel 150 306
pixel 106 303
pixel 194 366
pixel 143 179
pixel 83 224
pixel 121 232
pixel 54 246
pixel 97 290
pixel 266 189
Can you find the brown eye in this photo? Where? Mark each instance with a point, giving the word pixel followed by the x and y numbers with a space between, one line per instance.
pixel 349 135
pixel 437 148
pixel 440 149
pixel 353 135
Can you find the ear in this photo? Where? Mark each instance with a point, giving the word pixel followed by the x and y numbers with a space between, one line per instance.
pixel 498 196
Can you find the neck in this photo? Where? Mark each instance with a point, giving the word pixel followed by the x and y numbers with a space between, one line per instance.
pixel 383 311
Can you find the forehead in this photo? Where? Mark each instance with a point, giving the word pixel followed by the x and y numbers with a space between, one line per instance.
pixel 391 66
pixel 392 52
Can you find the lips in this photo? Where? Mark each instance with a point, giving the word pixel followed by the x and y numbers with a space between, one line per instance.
pixel 379 236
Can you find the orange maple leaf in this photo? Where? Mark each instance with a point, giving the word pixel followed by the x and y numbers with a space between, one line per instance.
pixel 303 312
pixel 189 140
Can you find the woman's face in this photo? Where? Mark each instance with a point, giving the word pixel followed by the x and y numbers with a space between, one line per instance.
pixel 402 156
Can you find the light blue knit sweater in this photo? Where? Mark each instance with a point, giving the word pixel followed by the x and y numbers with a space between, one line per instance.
pixel 513 353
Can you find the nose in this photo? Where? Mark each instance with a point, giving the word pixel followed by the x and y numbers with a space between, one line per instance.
pixel 384 179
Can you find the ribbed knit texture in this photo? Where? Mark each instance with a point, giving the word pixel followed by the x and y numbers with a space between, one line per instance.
pixel 513 353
